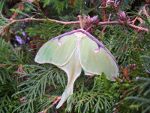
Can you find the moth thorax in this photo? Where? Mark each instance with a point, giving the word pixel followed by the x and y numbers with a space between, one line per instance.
pixel 79 35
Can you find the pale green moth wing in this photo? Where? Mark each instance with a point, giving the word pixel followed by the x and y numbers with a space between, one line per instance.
pixel 57 51
pixel 76 50
pixel 73 70
pixel 97 60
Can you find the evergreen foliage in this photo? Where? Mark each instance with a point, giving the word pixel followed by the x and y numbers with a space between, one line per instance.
pixel 27 87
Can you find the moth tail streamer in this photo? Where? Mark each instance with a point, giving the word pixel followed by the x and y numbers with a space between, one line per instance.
pixel 68 92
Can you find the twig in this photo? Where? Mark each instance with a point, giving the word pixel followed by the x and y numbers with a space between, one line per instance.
pixel 78 22
pixel 10 22
pixel 54 102
pixel 13 21
pixel 4 65
pixel 127 24
pixel 138 28
pixel 104 28
pixel 20 8
pixel 145 11
pixel 104 16
pixel 81 21
pixel 49 20
pixel 141 12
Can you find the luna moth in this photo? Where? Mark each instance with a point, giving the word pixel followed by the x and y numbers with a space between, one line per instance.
pixel 76 51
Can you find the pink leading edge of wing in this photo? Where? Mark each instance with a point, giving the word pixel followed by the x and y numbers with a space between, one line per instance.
pixel 100 44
